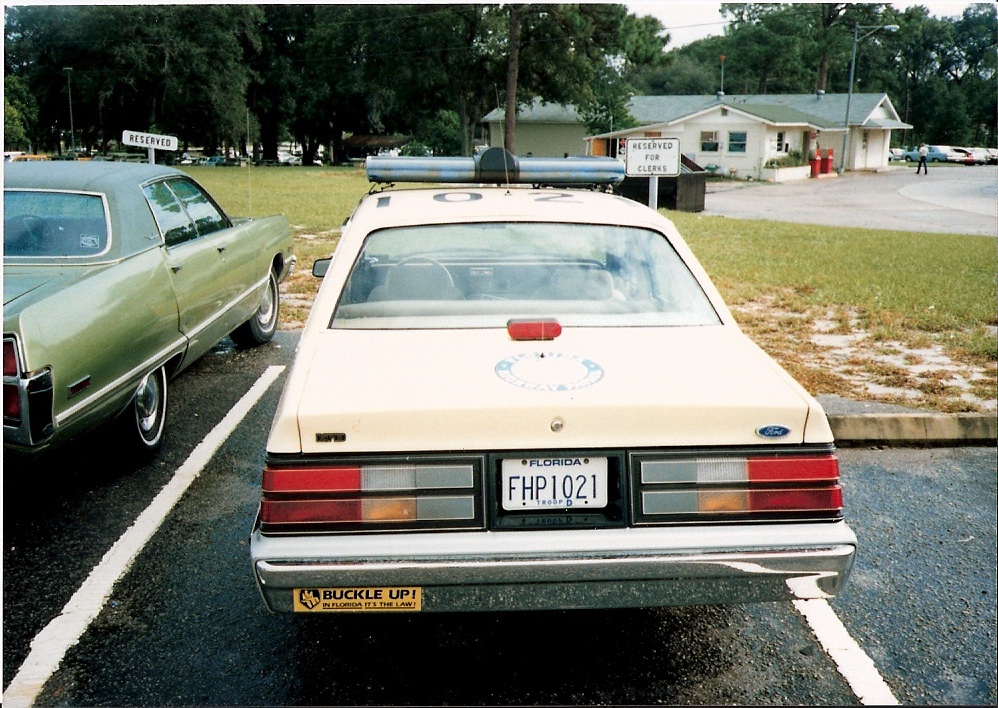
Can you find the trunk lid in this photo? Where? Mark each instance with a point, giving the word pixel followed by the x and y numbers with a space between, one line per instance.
pixel 453 390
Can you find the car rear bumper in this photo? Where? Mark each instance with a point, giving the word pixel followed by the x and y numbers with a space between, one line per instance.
pixel 539 570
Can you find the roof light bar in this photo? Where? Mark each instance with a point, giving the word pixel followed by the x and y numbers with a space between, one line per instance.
pixel 497 166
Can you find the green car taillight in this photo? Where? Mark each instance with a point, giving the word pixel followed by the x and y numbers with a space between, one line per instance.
pixel 11 394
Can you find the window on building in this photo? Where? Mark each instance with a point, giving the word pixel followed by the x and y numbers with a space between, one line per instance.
pixel 781 142
pixel 737 142
pixel 708 141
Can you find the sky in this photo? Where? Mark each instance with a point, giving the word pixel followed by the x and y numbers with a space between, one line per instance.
pixel 690 20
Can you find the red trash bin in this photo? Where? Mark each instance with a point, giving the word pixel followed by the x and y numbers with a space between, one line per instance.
pixel 826 162
pixel 816 163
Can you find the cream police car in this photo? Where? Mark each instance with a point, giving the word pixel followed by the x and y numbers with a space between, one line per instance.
pixel 529 395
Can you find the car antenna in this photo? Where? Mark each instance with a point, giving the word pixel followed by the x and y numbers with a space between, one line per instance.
pixel 502 134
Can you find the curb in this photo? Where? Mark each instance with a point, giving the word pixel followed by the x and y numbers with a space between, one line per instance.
pixel 914 429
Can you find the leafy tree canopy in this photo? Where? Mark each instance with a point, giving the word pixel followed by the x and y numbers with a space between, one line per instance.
pixel 249 77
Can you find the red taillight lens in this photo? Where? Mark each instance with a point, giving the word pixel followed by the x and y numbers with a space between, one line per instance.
pixel 11 393
pixel 11 403
pixel 371 496
pixel 306 479
pixel 533 330
pixel 9 358
pixel 792 500
pixel 310 512
pixel 683 489
pixel 793 469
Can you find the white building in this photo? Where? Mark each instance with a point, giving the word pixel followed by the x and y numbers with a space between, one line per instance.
pixel 735 134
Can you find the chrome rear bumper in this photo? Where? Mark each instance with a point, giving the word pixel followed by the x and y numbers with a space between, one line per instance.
pixel 488 571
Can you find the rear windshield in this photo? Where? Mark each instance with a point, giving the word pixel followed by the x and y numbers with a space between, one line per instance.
pixel 483 274
pixel 53 224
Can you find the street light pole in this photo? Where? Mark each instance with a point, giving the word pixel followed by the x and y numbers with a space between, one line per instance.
pixel 69 85
pixel 856 39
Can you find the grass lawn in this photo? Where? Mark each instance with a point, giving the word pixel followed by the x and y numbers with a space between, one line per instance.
pixel 904 291
pixel 910 290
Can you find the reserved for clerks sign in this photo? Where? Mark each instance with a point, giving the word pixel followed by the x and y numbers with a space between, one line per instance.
pixel 651 157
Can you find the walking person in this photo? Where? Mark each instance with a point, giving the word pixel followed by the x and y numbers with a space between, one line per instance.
pixel 923 155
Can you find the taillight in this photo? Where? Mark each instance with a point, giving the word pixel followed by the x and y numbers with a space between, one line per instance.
pixel 374 497
pixel 11 392
pixel 702 488
pixel 9 358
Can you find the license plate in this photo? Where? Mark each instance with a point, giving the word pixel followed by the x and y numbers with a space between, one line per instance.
pixel 554 483
pixel 373 599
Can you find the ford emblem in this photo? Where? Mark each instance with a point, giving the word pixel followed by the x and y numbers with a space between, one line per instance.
pixel 772 431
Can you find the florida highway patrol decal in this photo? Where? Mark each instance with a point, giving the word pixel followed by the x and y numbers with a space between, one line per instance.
pixel 546 371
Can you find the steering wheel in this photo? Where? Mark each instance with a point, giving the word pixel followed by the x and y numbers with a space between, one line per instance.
pixel 416 260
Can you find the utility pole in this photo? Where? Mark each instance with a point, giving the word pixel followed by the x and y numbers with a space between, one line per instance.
pixel 69 86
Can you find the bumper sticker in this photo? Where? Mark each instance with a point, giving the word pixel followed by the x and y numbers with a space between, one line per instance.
pixel 376 599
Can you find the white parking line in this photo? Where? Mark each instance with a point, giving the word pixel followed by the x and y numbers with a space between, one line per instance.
pixel 855 666
pixel 51 644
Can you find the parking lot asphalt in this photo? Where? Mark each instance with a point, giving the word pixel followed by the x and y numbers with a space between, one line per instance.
pixel 950 199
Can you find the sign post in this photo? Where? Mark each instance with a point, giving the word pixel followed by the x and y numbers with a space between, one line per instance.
pixel 149 140
pixel 652 158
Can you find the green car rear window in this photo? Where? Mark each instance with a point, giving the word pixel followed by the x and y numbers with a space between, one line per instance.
pixel 41 224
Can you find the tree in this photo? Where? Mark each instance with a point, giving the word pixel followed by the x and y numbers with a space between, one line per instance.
pixel 146 67
pixel 783 40
pixel 277 72
pixel 441 134
pixel 605 107
pixel 973 67
pixel 453 64
pixel 227 75
pixel 569 53
pixel 512 75
pixel 681 74
pixel 19 114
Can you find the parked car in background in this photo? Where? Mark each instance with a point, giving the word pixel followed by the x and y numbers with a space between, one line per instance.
pixel 937 153
pixel 215 161
pixel 895 155
pixel 992 156
pixel 30 158
pixel 974 155
pixel 117 276
pixel 531 396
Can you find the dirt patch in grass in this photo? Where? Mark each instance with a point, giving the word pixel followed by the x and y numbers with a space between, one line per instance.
pixel 831 351
pixel 298 291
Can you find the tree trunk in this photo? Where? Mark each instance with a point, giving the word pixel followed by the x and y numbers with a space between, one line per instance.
pixel 268 138
pixel 512 72
pixel 822 73
pixel 466 127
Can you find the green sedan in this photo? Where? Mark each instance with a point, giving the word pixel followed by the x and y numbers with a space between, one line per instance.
pixel 116 277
